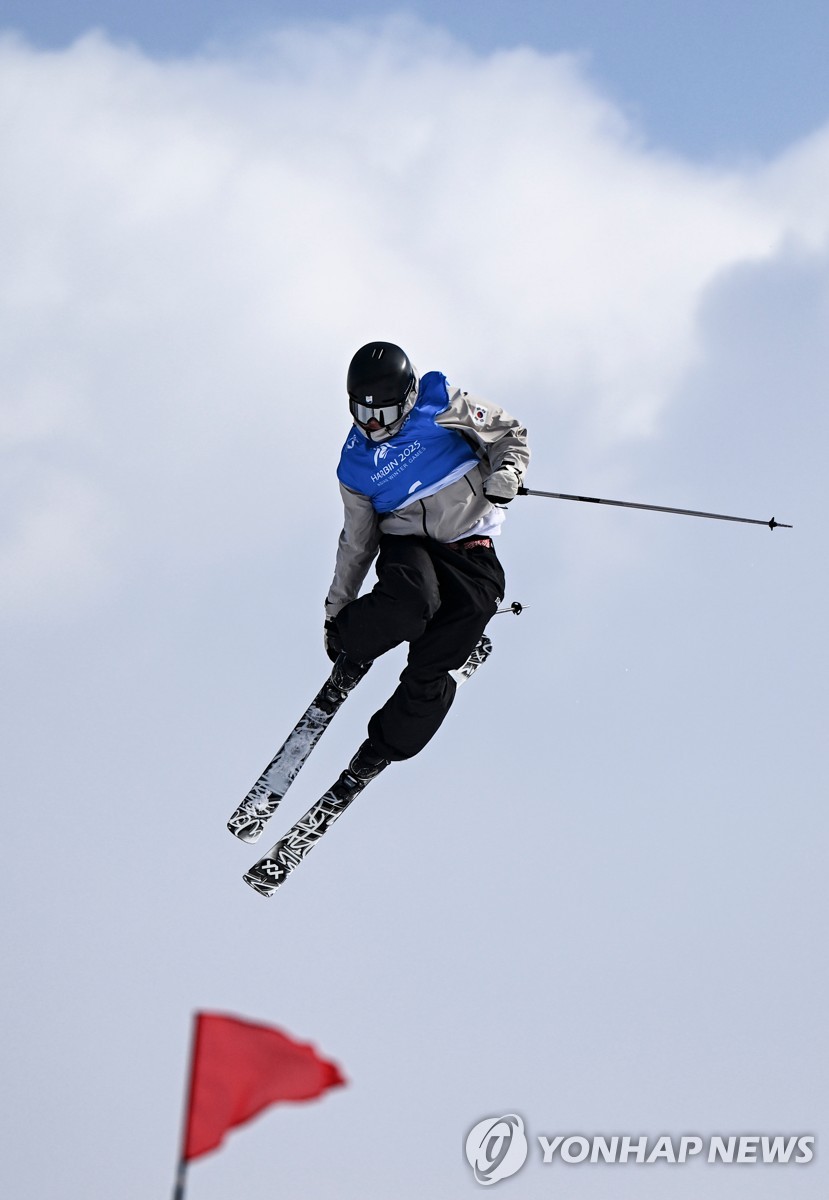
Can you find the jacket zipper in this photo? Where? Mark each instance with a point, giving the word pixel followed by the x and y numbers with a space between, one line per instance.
pixel 423 518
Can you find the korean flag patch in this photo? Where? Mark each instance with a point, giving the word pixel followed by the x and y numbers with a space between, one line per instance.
pixel 479 414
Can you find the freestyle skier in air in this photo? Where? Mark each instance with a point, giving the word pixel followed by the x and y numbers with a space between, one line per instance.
pixel 424 475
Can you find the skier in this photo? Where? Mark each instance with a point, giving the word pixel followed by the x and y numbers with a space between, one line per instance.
pixel 424 475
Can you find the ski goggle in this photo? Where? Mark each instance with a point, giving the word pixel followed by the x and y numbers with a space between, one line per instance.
pixel 384 412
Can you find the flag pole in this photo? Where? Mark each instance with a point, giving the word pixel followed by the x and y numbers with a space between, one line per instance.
pixel 181 1169
pixel 181 1178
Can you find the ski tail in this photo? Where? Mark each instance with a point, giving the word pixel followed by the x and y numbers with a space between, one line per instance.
pixel 477 658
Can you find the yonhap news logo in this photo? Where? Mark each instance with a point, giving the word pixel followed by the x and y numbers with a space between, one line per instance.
pixel 497 1147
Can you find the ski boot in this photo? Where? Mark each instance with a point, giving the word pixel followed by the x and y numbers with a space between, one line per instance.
pixel 366 764
pixel 345 675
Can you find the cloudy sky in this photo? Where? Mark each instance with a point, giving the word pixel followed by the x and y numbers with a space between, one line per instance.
pixel 598 898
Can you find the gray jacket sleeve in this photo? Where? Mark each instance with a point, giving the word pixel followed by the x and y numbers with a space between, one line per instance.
pixel 499 439
pixel 356 550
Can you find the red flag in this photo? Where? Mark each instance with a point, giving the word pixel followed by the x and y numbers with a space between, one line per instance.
pixel 238 1069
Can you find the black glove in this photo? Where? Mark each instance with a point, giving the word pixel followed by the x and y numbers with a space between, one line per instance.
pixel 332 639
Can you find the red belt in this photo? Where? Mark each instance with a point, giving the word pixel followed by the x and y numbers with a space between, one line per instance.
pixel 471 543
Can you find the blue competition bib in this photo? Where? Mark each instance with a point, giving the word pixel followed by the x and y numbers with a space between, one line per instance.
pixel 393 474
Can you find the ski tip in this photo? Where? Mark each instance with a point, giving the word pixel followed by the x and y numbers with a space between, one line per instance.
pixel 259 885
pixel 245 833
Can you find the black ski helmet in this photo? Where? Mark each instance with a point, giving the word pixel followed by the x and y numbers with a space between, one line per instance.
pixel 380 382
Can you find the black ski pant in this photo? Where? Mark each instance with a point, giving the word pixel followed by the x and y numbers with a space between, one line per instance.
pixel 438 597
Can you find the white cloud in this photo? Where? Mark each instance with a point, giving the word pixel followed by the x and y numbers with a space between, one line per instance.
pixel 53 552
pixel 192 249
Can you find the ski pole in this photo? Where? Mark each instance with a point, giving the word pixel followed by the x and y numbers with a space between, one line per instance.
pixel 683 512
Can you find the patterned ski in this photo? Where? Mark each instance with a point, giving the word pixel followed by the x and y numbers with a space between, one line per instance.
pixel 273 868
pixel 263 799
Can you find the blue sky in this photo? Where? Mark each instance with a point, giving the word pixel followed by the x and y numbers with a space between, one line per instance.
pixel 706 77
pixel 599 897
